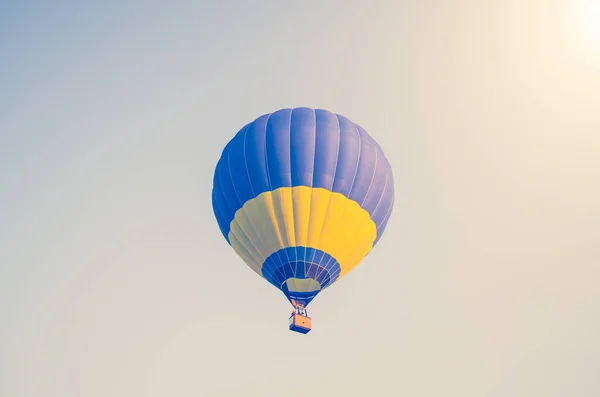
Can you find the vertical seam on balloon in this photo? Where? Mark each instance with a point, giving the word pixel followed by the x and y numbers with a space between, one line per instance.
pixel 335 275
pixel 283 191
pixel 387 215
pixel 293 226
pixel 260 249
pixel 312 185
pixel 261 246
pixel 268 267
pixel 372 179
pixel 266 154
pixel 278 226
pixel 357 161
pixel 231 213
pixel 253 255
pixel 330 272
pixel 326 265
pixel 346 203
pixel 225 219
pixel 219 215
pixel 383 222
pixel 277 229
pixel 241 207
pixel 383 193
pixel 357 164
pixel 275 262
pixel 381 197
pixel 232 182
pixel 359 233
pixel 323 267
pixel 276 222
pixel 387 179
pixel 332 183
pixel 389 211
pixel 256 259
pixel 316 247
pixel 236 249
pixel 281 270
pixel 385 187
pixel 246 160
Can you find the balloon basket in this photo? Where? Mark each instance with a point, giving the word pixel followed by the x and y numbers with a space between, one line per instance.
pixel 300 323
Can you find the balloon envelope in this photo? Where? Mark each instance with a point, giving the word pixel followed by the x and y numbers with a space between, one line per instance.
pixel 302 196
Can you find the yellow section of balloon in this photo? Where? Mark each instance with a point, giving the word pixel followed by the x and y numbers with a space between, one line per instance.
pixel 306 217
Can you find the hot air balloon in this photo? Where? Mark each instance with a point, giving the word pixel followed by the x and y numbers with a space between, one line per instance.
pixel 302 195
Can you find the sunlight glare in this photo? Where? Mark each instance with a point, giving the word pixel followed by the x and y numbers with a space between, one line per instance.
pixel 589 22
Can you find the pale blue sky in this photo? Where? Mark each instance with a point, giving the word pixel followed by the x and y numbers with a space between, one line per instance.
pixel 115 279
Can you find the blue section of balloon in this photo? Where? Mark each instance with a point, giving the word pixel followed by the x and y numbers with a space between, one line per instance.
pixel 303 147
pixel 301 262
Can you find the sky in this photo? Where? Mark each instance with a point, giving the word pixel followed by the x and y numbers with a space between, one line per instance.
pixel 116 281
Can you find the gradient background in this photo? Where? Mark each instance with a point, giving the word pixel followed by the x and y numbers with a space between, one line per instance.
pixel 114 277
